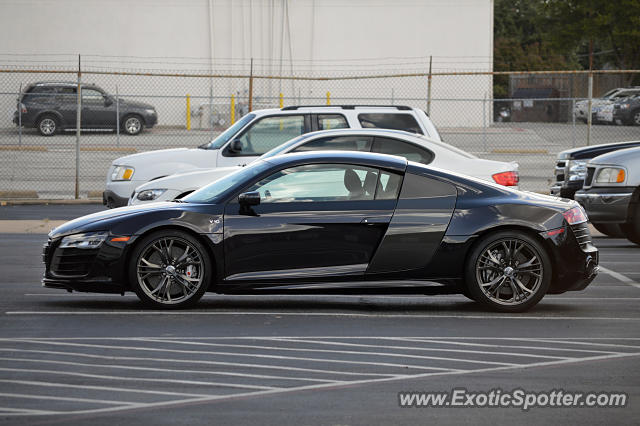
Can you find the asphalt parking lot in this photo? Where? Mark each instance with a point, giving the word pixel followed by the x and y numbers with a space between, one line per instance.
pixel 304 360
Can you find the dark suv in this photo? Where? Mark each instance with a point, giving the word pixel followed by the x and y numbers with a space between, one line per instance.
pixel 627 111
pixel 52 106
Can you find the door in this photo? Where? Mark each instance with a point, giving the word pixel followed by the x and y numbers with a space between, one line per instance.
pixel 262 136
pixel 312 221
pixel 96 111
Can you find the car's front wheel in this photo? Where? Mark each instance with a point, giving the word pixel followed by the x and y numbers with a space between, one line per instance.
pixel 632 228
pixel 170 269
pixel 132 125
pixel 508 271
pixel 609 229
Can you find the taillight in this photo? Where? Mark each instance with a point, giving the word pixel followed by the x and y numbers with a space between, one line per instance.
pixel 23 109
pixel 575 215
pixel 506 178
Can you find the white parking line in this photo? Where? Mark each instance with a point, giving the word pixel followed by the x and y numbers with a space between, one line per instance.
pixel 139 379
pixel 236 354
pixel 64 398
pixel 620 277
pixel 321 314
pixel 25 411
pixel 164 370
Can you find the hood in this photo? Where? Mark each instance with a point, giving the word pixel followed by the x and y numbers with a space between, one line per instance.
pixel 136 104
pixel 619 157
pixel 587 152
pixel 147 156
pixel 189 180
pixel 79 224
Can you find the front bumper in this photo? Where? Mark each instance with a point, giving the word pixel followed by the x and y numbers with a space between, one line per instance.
pixel 110 198
pixel 101 270
pixel 566 189
pixel 610 205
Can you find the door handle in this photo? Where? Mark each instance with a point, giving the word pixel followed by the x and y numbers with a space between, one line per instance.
pixel 376 220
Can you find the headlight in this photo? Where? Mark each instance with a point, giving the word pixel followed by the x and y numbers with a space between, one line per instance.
pixel 624 106
pixel 577 169
pixel 150 194
pixel 610 175
pixel 89 240
pixel 122 173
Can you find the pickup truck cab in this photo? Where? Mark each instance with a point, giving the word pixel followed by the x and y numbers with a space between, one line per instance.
pixel 611 192
pixel 253 135
pixel 571 166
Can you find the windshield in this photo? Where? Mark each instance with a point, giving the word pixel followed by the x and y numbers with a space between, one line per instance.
pixel 213 192
pixel 285 146
pixel 610 93
pixel 225 136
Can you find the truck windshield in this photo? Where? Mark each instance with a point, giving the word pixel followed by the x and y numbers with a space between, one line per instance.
pixel 226 136
pixel 215 191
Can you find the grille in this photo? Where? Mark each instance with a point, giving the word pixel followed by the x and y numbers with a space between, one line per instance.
pixel 582 234
pixel 559 171
pixel 72 261
pixel 589 178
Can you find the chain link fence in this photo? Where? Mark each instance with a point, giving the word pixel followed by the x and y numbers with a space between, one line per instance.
pixel 543 114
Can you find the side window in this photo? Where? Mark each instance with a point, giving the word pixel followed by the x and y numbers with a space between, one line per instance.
pixel 404 122
pixel 403 149
pixel 92 95
pixel 388 186
pixel 338 143
pixel 40 94
pixel 270 132
pixel 332 121
pixel 318 183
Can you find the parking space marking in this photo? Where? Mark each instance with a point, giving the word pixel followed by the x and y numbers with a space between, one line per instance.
pixel 64 398
pixel 620 277
pixel 604 350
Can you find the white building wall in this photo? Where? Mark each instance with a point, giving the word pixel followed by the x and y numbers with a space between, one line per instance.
pixel 308 37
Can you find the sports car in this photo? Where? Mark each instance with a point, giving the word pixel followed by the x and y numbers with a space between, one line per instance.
pixel 332 222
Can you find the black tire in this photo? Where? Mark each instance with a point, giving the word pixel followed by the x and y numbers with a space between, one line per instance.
pixel 612 230
pixel 635 118
pixel 132 124
pixel 632 228
pixel 166 274
pixel 526 284
pixel 48 124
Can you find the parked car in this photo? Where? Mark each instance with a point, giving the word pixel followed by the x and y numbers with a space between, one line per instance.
pixel 571 166
pixel 580 107
pixel 627 111
pixel 311 221
pixel 411 146
pixel 51 107
pixel 253 135
pixel 611 192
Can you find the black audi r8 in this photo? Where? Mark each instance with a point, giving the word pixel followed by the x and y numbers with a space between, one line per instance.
pixel 332 222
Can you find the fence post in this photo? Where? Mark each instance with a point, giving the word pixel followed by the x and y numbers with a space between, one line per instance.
pixel 117 117
pixel 589 103
pixel 281 100
pixel 188 111
pixel 232 112
pixel 573 127
pixel 392 96
pixel 429 76
pixel 20 116
pixel 328 98
pixel 78 125
pixel 251 86
pixel 484 123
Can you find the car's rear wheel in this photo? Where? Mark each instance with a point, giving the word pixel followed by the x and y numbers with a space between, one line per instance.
pixel 47 125
pixel 609 229
pixel 635 119
pixel 132 124
pixel 508 271
pixel 170 269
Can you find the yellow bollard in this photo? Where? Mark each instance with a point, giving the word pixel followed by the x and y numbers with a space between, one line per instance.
pixel 233 109
pixel 281 100
pixel 188 112
pixel 328 98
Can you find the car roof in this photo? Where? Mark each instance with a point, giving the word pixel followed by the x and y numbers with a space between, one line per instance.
pixel 62 83
pixel 335 108
pixel 370 159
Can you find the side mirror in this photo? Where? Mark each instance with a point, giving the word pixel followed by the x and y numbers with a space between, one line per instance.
pixel 249 198
pixel 235 146
pixel 108 101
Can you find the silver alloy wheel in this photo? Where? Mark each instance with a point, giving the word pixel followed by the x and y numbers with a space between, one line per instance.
pixel 636 118
pixel 132 125
pixel 509 271
pixel 170 270
pixel 47 126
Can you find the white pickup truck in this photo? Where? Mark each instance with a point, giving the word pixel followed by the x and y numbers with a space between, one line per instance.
pixel 253 135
